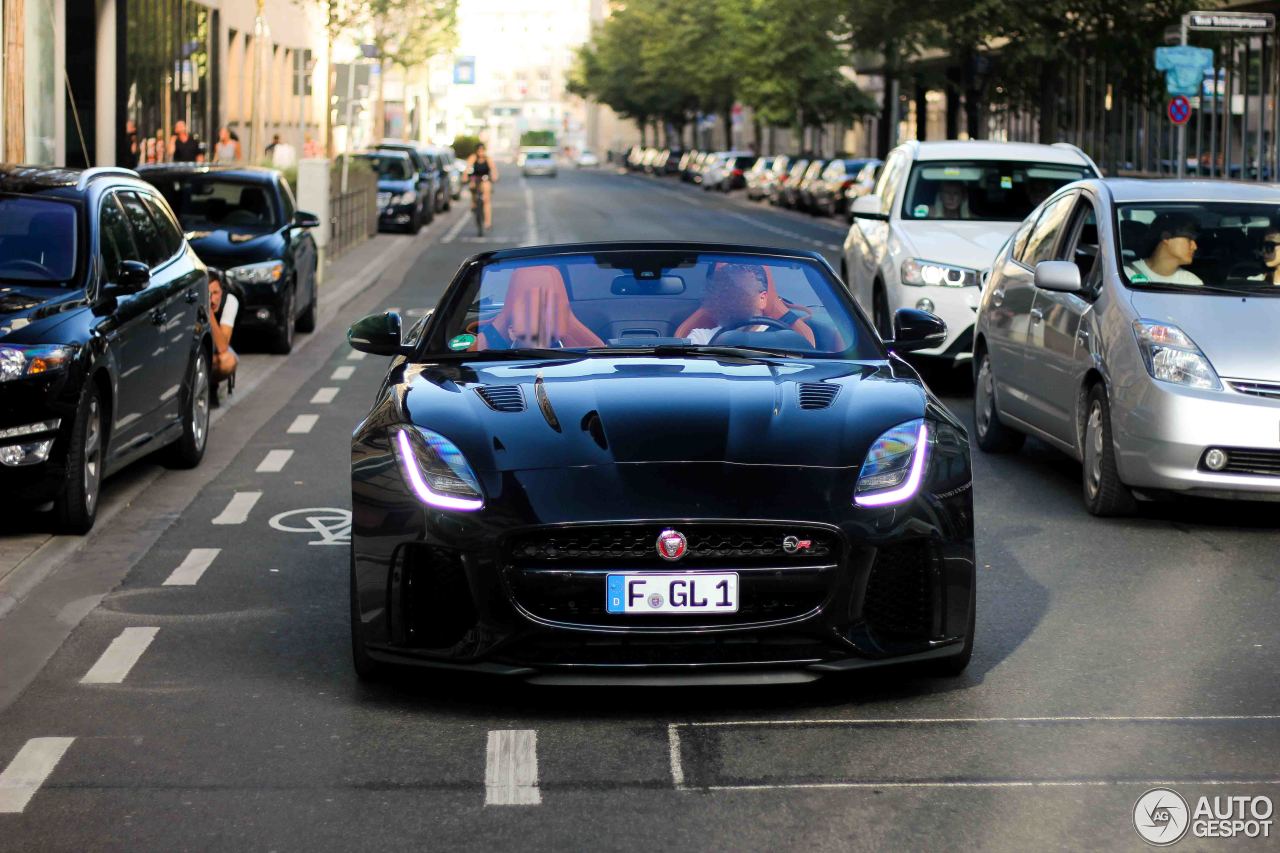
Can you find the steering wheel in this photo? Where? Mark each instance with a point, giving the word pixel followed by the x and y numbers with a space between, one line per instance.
pixel 27 262
pixel 777 325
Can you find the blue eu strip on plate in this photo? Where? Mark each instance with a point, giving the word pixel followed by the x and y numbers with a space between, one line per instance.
pixel 613 593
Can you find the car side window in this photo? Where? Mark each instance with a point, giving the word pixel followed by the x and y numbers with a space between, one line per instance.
pixel 171 238
pixel 114 240
pixel 1081 245
pixel 146 234
pixel 1020 238
pixel 1044 237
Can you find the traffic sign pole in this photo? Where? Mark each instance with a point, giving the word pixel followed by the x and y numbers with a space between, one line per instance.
pixel 1182 128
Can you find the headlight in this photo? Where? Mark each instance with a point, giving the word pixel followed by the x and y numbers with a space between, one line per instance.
pixel 894 466
pixel 263 273
pixel 1171 355
pixel 406 197
pixel 436 470
pixel 19 360
pixel 918 273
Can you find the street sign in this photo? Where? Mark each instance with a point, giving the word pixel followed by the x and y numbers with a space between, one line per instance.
pixel 1179 109
pixel 1231 22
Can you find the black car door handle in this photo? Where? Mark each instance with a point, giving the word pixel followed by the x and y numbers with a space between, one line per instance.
pixel 192 296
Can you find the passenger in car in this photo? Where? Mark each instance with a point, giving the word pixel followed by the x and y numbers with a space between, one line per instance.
pixel 1172 247
pixel 734 294
pixel 1270 256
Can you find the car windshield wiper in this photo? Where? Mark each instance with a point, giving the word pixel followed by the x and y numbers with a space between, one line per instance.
pixel 1236 291
pixel 701 349
pixel 522 354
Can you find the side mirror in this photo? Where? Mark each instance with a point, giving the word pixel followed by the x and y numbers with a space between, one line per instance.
pixel 867 207
pixel 130 277
pixel 914 329
pixel 1059 276
pixel 302 219
pixel 377 334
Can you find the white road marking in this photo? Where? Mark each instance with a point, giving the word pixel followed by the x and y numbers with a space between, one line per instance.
pixel 530 217
pixel 274 461
pixel 342 373
pixel 28 771
pixel 452 233
pixel 324 395
pixel 302 424
pixel 511 768
pixel 355 355
pixel 673 747
pixel 192 567
pixel 238 508
pixel 120 656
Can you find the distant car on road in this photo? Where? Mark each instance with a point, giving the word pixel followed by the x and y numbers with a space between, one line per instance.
pixel 830 190
pixel 104 336
pixel 805 191
pixel 586 464
pixel 538 162
pixel 399 203
pixel 728 171
pixel 786 192
pixel 758 176
pixel 587 159
pixel 1132 325
pixel 940 211
pixel 428 183
pixel 243 219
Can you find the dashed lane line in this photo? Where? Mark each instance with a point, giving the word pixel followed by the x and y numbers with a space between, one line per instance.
pixel 192 567
pixel 274 461
pixel 28 771
pixel 120 656
pixel 511 768
pixel 302 424
pixel 342 373
pixel 238 508
pixel 324 395
pixel 355 355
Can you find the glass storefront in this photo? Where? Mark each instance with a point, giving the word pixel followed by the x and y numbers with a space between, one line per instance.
pixel 169 67
pixel 40 82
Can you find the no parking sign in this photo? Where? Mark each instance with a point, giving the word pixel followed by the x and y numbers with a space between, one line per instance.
pixel 1179 109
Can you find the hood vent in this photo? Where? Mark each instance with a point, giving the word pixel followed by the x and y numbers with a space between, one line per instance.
pixel 817 395
pixel 502 398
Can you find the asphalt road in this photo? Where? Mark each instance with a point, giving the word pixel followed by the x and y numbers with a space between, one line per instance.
pixel 222 712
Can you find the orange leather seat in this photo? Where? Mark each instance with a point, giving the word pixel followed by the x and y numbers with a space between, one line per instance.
pixel 774 308
pixel 536 310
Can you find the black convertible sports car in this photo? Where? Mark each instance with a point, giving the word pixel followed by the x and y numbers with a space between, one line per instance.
pixel 656 462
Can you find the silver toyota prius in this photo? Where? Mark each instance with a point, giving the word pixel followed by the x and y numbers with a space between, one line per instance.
pixel 1135 325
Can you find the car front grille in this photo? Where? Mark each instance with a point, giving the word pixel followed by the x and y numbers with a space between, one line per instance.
pixel 1245 460
pixel 1256 388
pixel 636 546
pixel 900 598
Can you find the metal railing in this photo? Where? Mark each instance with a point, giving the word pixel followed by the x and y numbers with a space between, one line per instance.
pixel 354 213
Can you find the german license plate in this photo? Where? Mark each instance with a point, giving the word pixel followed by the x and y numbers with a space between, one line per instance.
pixel 667 592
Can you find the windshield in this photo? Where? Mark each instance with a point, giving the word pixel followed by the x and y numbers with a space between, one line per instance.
pixel 1200 245
pixel 983 190
pixel 654 300
pixel 205 202
pixel 37 241
pixel 389 168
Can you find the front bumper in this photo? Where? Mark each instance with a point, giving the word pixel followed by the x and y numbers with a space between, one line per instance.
pixel 25 403
pixel 1162 432
pixel 396 215
pixel 453 589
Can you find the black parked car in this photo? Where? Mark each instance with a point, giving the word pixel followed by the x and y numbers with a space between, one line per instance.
pixel 429 178
pixel 244 220
pixel 104 336
pixel 399 205
pixel 581 467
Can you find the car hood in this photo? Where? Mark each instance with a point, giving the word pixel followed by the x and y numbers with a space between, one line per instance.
pixel 1238 335
pixel 596 411
pixel 26 313
pixel 232 247
pixel 966 244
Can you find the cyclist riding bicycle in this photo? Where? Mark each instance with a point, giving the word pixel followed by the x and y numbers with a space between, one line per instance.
pixel 482 172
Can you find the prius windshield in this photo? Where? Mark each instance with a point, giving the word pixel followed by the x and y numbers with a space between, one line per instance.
pixel 653 301
pixel 1201 246
pixel 984 190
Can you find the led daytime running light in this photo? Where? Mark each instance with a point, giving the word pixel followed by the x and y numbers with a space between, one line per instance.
pixel 908 488
pixel 419 484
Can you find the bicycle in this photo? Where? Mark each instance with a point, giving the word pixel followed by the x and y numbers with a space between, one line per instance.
pixel 478 203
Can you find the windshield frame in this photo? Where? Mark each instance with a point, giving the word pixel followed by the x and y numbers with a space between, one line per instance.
pixel 1206 288
pixel 79 245
pixel 431 345
pixel 918 166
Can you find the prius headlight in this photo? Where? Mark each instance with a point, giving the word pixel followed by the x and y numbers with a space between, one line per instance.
pixel 894 466
pixel 19 360
pixel 1171 355
pixel 436 470
pixel 263 273
pixel 919 273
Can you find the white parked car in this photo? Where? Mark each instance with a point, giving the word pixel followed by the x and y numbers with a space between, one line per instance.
pixel 587 160
pixel 538 161
pixel 927 235
pixel 719 175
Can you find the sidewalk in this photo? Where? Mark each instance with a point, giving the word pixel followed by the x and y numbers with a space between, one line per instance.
pixel 27 555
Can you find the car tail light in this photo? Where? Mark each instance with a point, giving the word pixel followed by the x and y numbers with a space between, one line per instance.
pixel 737 173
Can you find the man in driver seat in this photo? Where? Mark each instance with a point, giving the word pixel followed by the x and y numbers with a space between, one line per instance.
pixel 735 294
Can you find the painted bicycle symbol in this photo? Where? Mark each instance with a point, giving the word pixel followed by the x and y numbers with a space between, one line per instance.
pixel 331 524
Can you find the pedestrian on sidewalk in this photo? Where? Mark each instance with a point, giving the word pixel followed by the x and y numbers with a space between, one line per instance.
pixel 153 148
pixel 135 150
pixel 309 147
pixel 228 148
pixel 183 147
pixel 223 308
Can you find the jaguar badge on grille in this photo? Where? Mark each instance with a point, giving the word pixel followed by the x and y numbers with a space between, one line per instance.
pixel 671 544
pixel 794 544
